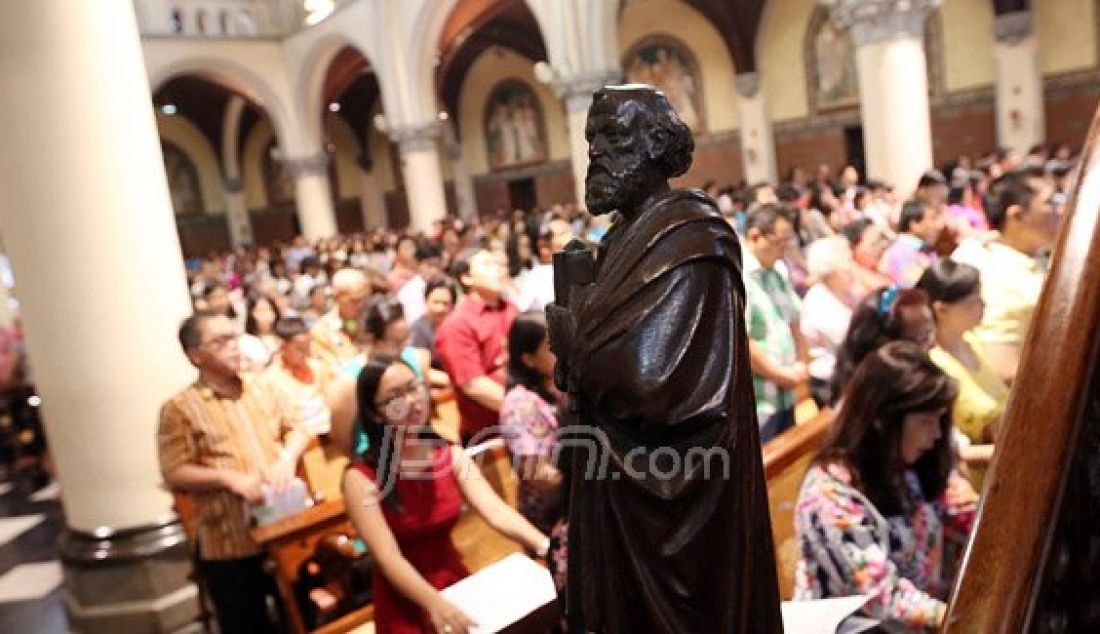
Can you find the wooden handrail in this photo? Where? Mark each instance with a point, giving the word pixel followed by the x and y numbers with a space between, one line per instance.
pixel 1005 565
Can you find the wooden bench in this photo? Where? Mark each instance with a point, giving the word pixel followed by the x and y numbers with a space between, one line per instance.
pixel 786 459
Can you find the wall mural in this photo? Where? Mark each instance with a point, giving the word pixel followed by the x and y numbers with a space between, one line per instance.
pixel 515 131
pixel 835 82
pixel 183 181
pixel 667 64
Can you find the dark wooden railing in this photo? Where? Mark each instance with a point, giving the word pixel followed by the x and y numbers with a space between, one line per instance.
pixel 1033 562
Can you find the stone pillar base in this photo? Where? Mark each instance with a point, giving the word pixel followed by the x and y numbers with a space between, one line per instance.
pixel 137 580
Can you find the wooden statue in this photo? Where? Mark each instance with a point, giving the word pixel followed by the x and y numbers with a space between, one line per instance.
pixel 669 528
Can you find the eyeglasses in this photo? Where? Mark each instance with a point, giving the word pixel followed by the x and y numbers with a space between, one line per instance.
pixel 789 241
pixel 395 405
pixel 219 342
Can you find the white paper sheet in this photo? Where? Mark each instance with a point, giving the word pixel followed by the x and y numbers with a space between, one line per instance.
pixel 503 593
pixel 819 617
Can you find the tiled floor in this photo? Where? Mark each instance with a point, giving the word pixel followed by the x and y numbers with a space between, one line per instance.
pixel 30 575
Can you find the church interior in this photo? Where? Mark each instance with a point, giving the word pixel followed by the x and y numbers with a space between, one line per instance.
pixel 280 208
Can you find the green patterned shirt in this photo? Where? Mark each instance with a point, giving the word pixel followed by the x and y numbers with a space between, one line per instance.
pixel 770 308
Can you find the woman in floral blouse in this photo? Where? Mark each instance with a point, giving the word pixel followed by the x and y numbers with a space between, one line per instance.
pixel 881 507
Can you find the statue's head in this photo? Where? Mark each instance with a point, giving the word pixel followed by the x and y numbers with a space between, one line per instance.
pixel 635 140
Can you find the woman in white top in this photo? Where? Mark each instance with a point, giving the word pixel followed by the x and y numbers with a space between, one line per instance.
pixel 827 309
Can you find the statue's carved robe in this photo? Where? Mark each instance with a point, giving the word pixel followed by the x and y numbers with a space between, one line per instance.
pixel 660 359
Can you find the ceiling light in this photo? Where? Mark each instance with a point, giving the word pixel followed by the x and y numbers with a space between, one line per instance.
pixel 334 106
pixel 169 109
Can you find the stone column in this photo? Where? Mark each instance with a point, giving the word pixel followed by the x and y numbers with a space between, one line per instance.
pixel 1020 118
pixel 757 142
pixel 82 175
pixel 372 200
pixel 240 225
pixel 313 195
pixel 576 92
pixel 893 85
pixel 463 182
pixel 419 149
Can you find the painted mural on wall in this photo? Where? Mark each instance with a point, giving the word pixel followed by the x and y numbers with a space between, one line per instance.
pixel 183 181
pixel 836 84
pixel 515 131
pixel 665 63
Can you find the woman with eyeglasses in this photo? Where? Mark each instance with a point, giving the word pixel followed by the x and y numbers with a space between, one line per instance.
pixel 404 495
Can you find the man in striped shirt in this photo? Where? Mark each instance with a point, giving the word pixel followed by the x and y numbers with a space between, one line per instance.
pixel 220 441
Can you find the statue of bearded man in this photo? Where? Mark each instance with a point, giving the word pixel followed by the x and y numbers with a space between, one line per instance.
pixel 672 534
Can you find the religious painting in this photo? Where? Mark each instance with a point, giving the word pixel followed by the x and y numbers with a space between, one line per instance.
pixel 833 66
pixel 515 131
pixel 669 66
pixel 183 181
pixel 278 181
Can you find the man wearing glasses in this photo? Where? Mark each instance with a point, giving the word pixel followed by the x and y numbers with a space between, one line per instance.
pixel 777 351
pixel 223 440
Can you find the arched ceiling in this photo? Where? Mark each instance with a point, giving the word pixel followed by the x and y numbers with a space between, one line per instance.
pixel 351 82
pixel 473 27
pixel 203 103
pixel 738 21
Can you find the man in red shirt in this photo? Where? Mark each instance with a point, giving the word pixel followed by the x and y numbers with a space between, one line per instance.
pixel 472 342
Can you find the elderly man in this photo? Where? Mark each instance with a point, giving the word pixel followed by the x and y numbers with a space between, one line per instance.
pixel 337 338
pixel 672 533
pixel 221 440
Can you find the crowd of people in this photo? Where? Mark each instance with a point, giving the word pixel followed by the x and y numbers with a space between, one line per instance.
pixel 905 317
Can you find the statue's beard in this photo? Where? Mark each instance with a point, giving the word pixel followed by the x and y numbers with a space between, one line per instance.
pixel 611 185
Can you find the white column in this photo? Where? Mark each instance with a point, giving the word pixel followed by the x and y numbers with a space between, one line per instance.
pixel 419 149
pixel 463 182
pixel 757 142
pixel 893 85
pixel 313 195
pixel 372 200
pixel 1021 122
pixel 102 372
pixel 576 92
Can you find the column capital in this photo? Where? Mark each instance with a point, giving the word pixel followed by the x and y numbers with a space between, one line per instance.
pixel 748 84
pixel 234 185
pixel 577 89
pixel 417 137
pixel 300 167
pixel 1010 28
pixel 872 21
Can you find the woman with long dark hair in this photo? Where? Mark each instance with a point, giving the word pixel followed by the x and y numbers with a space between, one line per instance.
pixel 528 418
pixel 260 343
pixel 885 315
pixel 881 499
pixel 404 494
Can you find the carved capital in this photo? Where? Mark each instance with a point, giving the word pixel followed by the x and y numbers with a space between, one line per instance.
pixel 1013 27
pixel 748 84
pixel 872 21
pixel 234 185
pixel 577 90
pixel 414 138
pixel 316 165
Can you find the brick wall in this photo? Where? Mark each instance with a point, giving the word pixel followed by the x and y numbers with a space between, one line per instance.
pixel 715 159
pixel 1069 113
pixel 809 149
pixel 968 130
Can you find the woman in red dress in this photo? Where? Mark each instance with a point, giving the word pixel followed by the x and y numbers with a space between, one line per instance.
pixel 404 495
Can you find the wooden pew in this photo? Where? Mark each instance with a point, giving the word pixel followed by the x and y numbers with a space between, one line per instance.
pixel 786 459
pixel 1033 562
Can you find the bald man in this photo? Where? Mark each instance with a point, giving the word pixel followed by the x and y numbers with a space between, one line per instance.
pixel 337 338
